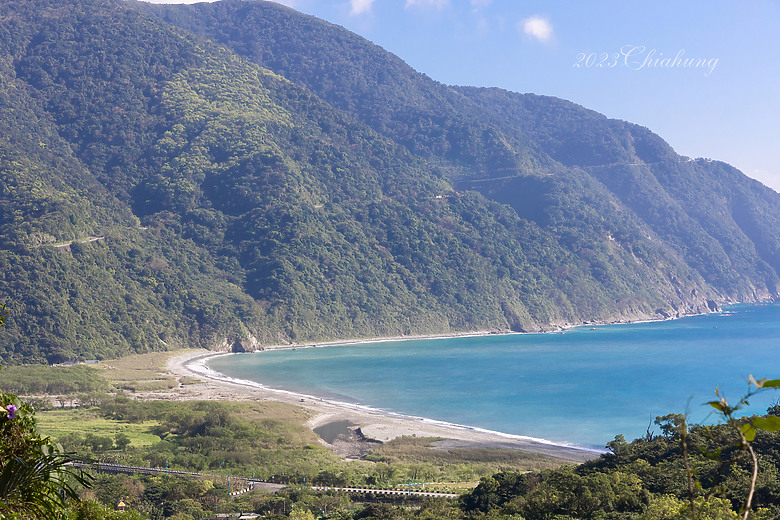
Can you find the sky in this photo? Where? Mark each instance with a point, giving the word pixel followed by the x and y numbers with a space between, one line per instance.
pixel 704 75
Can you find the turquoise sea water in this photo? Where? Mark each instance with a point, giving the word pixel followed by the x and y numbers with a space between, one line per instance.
pixel 581 387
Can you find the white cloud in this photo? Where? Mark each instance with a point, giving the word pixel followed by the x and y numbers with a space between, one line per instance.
pixel 537 27
pixel 435 4
pixel 482 24
pixel 360 6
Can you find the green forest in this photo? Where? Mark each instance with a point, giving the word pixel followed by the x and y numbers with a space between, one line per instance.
pixel 238 174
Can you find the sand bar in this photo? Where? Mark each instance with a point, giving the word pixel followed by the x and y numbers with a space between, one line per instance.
pixel 376 424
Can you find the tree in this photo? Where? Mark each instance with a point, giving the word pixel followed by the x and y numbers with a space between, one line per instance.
pixel 746 431
pixel 35 475
pixel 301 514
pixel 484 497
pixel 92 510
pixel 122 441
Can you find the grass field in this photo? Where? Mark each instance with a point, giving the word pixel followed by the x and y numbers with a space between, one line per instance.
pixel 136 373
pixel 140 372
pixel 58 424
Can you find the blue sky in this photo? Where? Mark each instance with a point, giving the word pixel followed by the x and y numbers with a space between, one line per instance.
pixel 705 75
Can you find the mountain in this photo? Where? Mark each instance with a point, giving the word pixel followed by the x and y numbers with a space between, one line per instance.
pixel 492 140
pixel 236 173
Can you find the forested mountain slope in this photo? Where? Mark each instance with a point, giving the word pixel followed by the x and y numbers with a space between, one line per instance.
pixel 505 145
pixel 253 175
pixel 717 219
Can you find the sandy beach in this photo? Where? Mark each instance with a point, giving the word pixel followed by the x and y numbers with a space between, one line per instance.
pixel 373 424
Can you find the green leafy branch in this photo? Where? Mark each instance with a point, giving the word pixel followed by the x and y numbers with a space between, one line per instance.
pixel 40 486
pixel 746 430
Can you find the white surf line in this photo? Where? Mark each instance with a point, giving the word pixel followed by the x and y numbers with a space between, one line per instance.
pixel 199 366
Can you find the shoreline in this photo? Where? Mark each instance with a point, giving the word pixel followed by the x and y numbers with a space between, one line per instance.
pixel 374 423
pixel 552 329
pixel 385 425
pixel 385 339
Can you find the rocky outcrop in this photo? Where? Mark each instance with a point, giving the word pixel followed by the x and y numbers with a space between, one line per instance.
pixel 238 344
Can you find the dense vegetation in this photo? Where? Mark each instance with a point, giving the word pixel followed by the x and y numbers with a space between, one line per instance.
pixel 236 174
pixel 266 440
pixel 644 479
pixel 37 380
pixel 554 162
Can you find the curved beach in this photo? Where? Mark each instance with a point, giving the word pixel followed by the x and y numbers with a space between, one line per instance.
pixel 373 423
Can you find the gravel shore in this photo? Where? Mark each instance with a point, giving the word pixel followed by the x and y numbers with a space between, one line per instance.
pixel 373 424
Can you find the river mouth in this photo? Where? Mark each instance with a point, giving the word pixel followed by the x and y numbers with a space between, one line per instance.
pixel 333 430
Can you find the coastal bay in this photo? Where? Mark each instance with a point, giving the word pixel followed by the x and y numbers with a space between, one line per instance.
pixel 578 388
pixel 374 424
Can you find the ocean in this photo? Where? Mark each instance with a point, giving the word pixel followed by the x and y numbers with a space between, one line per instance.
pixel 581 387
